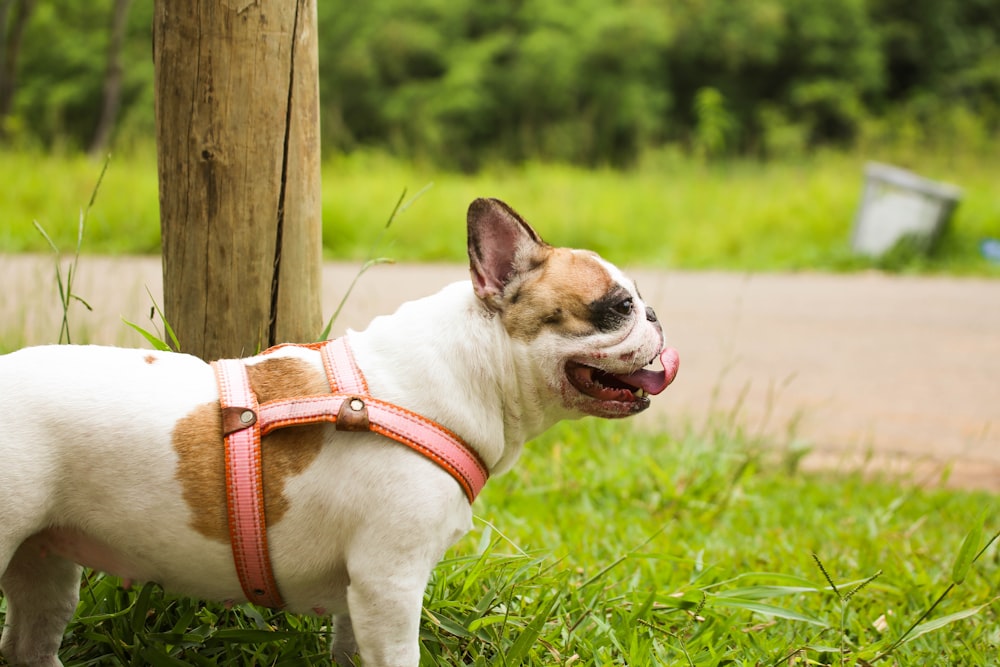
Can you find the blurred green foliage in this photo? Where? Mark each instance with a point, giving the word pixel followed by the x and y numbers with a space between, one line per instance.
pixel 461 83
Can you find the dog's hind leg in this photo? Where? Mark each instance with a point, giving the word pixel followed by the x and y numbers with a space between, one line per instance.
pixel 345 648
pixel 42 591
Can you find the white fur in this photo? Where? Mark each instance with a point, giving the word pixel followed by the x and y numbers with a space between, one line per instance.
pixel 86 446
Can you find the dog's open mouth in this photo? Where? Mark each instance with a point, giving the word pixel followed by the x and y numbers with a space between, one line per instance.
pixel 631 387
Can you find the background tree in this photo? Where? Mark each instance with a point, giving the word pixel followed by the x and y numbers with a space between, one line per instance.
pixel 594 82
pixel 111 92
pixel 14 15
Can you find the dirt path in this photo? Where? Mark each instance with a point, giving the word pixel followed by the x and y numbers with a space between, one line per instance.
pixel 903 372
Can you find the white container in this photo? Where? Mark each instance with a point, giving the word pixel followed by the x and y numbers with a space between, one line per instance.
pixel 897 204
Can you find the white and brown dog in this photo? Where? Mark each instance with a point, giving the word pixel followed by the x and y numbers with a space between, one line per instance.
pixel 114 458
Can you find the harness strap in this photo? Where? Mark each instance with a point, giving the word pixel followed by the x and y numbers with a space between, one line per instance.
pixel 350 408
pixel 244 484
pixel 418 433
pixel 342 370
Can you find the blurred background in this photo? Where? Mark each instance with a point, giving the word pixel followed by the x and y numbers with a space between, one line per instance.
pixel 588 82
pixel 737 130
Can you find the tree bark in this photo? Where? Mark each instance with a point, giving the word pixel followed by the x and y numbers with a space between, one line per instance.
pixel 112 89
pixel 237 112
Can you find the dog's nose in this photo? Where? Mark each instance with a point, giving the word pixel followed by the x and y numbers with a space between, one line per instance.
pixel 650 314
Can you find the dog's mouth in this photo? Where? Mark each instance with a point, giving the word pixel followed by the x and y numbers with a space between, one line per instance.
pixel 630 388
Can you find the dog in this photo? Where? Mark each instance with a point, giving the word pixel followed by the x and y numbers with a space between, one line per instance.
pixel 113 458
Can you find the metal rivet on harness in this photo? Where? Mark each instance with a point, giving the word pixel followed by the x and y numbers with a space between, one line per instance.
pixel 237 418
pixel 353 415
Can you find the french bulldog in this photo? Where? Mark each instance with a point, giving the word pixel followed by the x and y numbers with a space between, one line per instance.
pixel 112 458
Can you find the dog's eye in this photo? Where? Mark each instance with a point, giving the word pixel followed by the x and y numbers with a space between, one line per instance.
pixel 613 311
pixel 624 307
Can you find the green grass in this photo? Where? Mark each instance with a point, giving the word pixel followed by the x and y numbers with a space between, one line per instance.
pixel 608 546
pixel 671 212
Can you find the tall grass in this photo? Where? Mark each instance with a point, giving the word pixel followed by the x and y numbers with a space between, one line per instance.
pixel 672 211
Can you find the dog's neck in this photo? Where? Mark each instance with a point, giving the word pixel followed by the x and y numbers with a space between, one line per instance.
pixel 505 404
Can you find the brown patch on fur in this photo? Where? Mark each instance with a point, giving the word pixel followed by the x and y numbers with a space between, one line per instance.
pixel 558 294
pixel 150 359
pixel 201 468
pixel 284 377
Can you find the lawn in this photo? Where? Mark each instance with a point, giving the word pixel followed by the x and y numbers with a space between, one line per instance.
pixel 607 546
pixel 670 212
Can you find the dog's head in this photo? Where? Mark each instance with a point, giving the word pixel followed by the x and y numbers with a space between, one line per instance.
pixel 589 331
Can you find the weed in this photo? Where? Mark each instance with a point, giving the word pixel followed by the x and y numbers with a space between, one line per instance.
pixel 968 554
pixel 372 258
pixel 844 598
pixel 65 283
pixel 163 341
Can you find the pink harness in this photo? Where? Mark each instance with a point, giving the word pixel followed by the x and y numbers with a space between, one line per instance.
pixel 351 408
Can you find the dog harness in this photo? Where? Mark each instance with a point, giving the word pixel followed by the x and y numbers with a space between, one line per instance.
pixel 349 407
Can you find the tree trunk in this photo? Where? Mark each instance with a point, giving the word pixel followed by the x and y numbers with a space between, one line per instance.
pixel 112 89
pixel 11 33
pixel 237 112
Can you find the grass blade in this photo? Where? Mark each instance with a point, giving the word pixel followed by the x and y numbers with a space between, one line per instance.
pixel 150 337
pixel 939 623
pixel 158 658
pixel 967 552
pixel 141 608
pixel 765 609
pixel 519 649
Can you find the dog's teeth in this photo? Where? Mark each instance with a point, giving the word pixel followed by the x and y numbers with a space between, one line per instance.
pixel 640 393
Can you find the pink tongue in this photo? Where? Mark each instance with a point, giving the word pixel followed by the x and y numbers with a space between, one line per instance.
pixel 654 382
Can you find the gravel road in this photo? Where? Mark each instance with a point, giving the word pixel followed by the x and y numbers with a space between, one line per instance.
pixel 898 373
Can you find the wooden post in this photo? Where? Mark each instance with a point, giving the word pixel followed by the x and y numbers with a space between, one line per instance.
pixel 237 115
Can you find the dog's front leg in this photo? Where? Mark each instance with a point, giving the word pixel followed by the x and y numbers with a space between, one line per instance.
pixel 385 617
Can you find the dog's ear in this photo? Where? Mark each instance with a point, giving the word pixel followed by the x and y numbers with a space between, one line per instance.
pixel 501 246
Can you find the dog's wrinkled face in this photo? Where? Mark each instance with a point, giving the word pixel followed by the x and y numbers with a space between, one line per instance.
pixel 590 332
